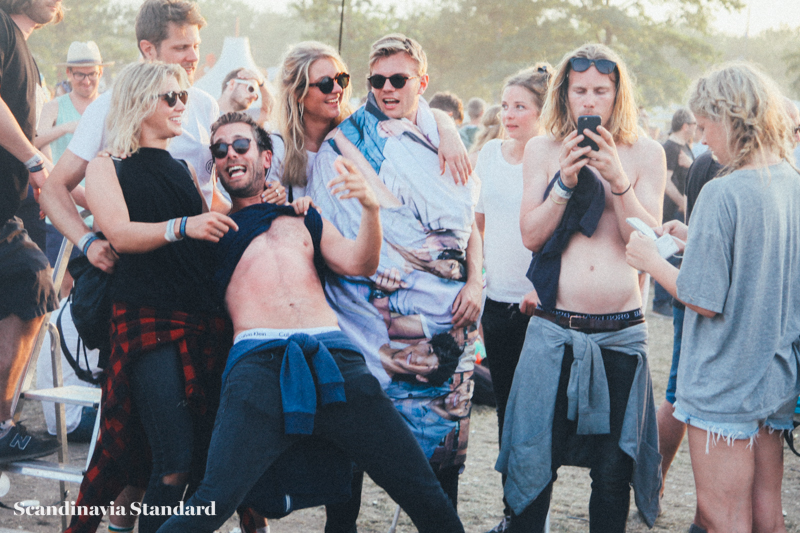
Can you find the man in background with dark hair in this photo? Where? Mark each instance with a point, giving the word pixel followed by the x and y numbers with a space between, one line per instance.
pixel 678 148
pixel 450 104
pixel 26 289
pixel 476 107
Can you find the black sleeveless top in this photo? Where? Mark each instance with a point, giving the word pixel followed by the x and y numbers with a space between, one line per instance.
pixel 176 276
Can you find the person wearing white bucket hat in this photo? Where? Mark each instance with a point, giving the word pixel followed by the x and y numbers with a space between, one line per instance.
pixel 58 121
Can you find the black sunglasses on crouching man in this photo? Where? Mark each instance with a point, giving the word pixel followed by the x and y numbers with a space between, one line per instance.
pixel 220 150
pixel 398 81
pixel 325 85
pixel 582 64
pixel 172 97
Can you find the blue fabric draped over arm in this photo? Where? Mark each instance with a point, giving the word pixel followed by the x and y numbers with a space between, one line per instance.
pixel 582 213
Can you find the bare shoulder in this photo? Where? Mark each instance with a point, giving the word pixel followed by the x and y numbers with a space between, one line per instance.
pixel 647 151
pixel 541 156
pixel 645 156
pixel 542 145
pixel 100 166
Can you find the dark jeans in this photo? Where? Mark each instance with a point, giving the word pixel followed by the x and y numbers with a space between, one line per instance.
pixel 504 328
pixel 661 296
pixel 85 429
pixel 677 335
pixel 610 468
pixel 341 517
pixel 160 401
pixel 249 436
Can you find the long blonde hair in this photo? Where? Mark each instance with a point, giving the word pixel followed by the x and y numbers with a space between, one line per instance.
pixel 750 106
pixel 293 88
pixel 134 98
pixel 557 116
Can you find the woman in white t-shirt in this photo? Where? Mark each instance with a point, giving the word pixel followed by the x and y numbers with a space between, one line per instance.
pixel 506 259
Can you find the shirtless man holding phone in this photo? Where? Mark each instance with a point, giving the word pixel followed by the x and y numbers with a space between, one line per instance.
pixel 592 303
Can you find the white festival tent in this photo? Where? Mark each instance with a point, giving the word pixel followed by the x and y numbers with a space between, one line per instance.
pixel 235 54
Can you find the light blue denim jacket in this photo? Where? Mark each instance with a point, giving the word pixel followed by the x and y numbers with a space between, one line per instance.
pixel 525 456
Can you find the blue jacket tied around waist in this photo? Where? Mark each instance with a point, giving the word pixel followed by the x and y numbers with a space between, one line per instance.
pixel 300 395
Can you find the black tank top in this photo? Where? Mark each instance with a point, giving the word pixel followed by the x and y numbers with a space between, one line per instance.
pixel 176 276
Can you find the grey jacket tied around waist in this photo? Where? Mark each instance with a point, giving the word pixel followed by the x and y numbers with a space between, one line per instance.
pixel 525 456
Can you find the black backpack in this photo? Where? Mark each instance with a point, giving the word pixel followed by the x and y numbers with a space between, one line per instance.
pixel 91 306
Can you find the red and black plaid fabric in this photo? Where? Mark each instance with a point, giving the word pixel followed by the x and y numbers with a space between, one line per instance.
pixel 122 455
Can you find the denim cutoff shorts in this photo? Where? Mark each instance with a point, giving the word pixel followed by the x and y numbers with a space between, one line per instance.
pixel 780 420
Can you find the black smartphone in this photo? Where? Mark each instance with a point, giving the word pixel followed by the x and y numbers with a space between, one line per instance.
pixel 588 122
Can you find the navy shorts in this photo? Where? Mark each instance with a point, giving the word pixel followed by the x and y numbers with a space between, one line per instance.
pixel 26 280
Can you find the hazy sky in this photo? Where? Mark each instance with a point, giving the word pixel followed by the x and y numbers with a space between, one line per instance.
pixel 764 14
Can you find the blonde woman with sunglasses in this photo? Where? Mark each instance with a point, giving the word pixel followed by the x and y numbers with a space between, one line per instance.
pixel 167 332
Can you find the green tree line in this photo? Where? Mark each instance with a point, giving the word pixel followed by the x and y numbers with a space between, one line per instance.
pixel 472 45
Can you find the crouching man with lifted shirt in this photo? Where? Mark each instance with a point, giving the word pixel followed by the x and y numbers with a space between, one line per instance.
pixel 292 372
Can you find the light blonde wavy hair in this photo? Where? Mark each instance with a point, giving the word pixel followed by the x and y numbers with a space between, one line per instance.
pixel 396 43
pixel 135 98
pixel 293 88
pixel 557 117
pixel 751 107
pixel 491 128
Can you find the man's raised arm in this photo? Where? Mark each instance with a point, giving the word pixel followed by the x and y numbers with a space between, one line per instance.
pixel 538 218
pixel 362 256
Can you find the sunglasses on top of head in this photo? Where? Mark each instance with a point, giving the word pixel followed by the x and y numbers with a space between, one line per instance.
pixel 398 81
pixel 325 85
pixel 172 97
pixel 220 150
pixel 582 64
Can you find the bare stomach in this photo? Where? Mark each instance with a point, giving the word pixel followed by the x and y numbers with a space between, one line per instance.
pixel 275 284
pixel 596 279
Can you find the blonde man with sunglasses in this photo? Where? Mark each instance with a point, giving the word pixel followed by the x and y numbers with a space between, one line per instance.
pixel 582 394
